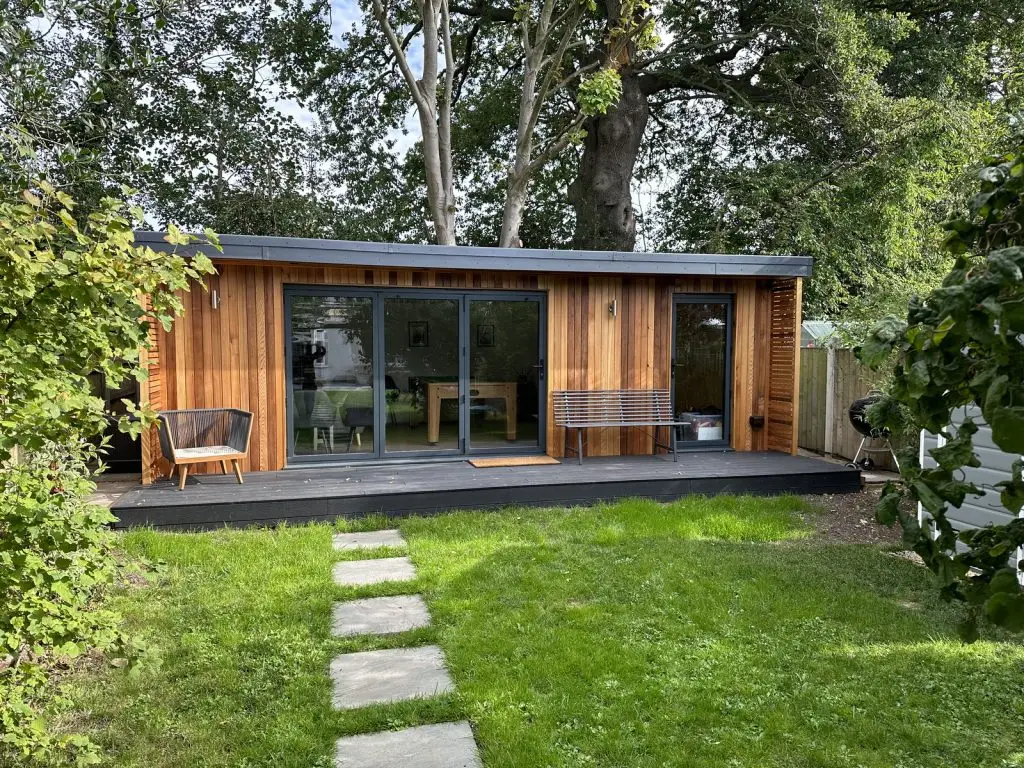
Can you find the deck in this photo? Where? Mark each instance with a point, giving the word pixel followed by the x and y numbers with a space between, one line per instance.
pixel 302 495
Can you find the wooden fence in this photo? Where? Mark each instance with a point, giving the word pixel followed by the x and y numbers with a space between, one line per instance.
pixel 830 380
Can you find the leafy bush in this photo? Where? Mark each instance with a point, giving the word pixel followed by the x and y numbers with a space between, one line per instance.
pixel 70 303
pixel 960 345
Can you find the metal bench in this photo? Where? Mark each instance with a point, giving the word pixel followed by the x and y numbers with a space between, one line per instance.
pixel 204 434
pixel 581 409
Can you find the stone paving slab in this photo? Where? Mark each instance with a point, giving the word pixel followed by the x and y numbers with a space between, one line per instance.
pixel 380 616
pixel 368 540
pixel 445 745
pixel 354 573
pixel 398 674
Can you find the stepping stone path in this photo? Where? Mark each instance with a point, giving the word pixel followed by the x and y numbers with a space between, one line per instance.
pixel 446 745
pixel 380 616
pixel 358 573
pixel 399 674
pixel 368 540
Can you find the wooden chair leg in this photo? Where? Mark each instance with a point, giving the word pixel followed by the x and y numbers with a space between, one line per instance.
pixel 182 476
pixel 224 466
pixel 170 474
pixel 238 470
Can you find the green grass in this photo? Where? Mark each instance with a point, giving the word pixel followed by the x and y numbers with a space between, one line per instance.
pixel 701 633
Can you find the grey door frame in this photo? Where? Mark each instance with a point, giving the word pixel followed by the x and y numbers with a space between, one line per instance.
pixel 729 300
pixel 378 295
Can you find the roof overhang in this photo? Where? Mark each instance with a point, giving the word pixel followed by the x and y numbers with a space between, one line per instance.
pixel 294 250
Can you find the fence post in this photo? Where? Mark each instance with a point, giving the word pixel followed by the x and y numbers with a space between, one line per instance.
pixel 830 397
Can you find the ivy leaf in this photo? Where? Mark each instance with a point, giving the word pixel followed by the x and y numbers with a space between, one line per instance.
pixel 1008 428
pixel 1012 490
pixel 928 498
pixel 918 378
pixel 888 510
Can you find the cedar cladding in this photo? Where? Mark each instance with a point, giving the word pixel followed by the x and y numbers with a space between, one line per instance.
pixel 234 356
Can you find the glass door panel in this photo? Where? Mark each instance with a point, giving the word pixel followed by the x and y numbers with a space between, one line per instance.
pixel 505 370
pixel 701 359
pixel 421 374
pixel 331 377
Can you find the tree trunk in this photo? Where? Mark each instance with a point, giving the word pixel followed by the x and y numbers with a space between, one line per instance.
pixel 512 217
pixel 600 193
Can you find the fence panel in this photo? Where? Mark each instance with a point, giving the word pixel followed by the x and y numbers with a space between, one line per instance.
pixel 851 381
pixel 813 372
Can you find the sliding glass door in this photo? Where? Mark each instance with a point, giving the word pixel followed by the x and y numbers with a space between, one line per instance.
pixel 421 374
pixel 701 369
pixel 330 390
pixel 506 372
pixel 380 373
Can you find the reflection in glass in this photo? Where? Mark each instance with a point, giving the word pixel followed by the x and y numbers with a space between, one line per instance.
pixel 421 374
pixel 700 369
pixel 504 338
pixel 332 375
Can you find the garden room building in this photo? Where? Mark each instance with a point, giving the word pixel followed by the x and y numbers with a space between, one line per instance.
pixel 352 354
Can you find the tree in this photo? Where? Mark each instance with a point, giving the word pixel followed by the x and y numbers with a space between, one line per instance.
pixel 435 116
pixel 548 45
pixel 744 126
pixel 962 345
pixel 555 92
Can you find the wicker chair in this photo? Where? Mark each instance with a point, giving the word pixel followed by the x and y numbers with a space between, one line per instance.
pixel 204 434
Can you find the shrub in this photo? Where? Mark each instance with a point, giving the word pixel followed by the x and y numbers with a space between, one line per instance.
pixel 70 303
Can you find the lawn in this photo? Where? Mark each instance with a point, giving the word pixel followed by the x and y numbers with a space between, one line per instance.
pixel 701 633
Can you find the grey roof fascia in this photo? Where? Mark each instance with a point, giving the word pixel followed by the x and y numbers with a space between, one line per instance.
pixel 400 255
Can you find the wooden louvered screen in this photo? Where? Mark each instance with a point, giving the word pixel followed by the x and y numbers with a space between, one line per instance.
pixel 784 366
pixel 151 391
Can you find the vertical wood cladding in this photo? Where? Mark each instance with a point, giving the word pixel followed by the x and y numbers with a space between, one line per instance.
pixel 234 356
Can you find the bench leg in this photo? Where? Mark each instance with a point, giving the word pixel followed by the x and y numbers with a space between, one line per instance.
pixel 675 448
pixel 223 466
pixel 238 470
pixel 579 445
pixel 182 476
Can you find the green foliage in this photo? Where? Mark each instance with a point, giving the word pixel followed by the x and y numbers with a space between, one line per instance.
pixel 54 555
pixel 72 284
pixel 599 91
pixel 70 293
pixel 857 164
pixel 963 345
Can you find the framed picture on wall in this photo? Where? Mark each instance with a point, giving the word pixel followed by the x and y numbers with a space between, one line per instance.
pixel 485 335
pixel 320 348
pixel 419 333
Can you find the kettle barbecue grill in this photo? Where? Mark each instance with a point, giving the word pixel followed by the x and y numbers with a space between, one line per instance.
pixel 859 421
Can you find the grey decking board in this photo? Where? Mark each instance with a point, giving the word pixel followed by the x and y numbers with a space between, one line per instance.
pixel 218 503
pixel 330 483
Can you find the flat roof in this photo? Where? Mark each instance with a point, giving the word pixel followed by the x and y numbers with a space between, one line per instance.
pixel 297 250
